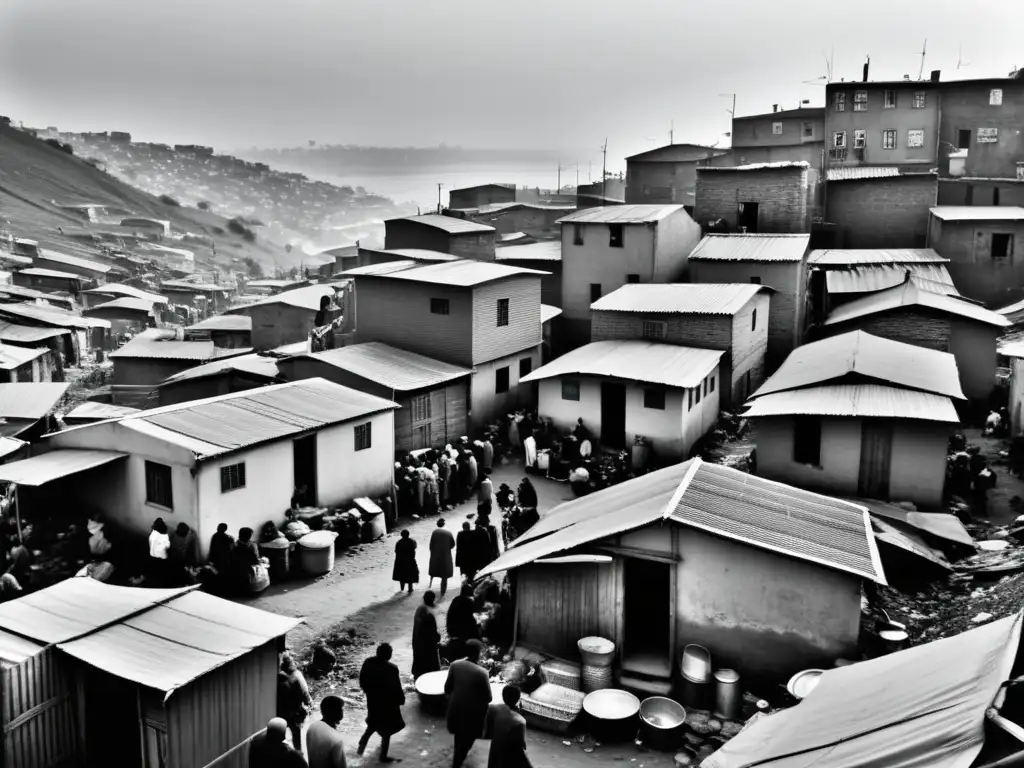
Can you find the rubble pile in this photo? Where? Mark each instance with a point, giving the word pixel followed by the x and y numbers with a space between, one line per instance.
pixel 730 444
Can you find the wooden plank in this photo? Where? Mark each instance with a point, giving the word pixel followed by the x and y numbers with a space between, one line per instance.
pixel 641 554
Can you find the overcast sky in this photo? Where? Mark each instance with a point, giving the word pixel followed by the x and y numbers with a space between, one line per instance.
pixel 515 73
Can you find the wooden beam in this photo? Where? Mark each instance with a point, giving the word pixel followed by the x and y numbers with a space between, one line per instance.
pixel 641 554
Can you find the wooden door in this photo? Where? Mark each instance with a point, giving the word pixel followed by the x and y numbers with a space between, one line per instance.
pixel 875 458
pixel 304 457
pixel 613 415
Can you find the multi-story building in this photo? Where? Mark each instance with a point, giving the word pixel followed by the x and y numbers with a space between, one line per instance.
pixel 779 136
pixel 668 174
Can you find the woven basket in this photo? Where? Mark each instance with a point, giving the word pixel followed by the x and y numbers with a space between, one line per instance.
pixel 563 673
pixel 596 651
pixel 551 707
pixel 596 678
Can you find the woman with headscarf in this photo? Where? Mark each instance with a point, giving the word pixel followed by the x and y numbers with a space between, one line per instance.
pixel 527 494
pixel 159 551
pixel 406 571
pixel 221 544
pixel 425 638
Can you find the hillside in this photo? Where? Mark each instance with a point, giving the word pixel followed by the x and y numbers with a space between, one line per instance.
pixel 37 181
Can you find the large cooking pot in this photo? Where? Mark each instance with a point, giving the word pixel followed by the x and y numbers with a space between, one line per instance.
pixel 430 690
pixel 661 722
pixel 612 714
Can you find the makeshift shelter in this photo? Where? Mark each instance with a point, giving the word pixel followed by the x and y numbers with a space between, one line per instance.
pixel 111 675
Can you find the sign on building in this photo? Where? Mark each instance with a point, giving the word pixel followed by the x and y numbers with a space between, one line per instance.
pixel 988 135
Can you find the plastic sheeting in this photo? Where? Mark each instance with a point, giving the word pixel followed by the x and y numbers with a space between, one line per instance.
pixel 921 707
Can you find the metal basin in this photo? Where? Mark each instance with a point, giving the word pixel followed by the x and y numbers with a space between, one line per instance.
pixel 430 690
pixel 661 722
pixel 612 714
pixel 801 684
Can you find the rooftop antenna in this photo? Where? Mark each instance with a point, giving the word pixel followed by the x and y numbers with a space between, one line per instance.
pixel 604 167
pixel 924 49
pixel 728 96
pixel 671 132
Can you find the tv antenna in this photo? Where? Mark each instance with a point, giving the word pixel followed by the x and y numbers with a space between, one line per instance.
pixel 924 49
pixel 829 61
pixel 729 96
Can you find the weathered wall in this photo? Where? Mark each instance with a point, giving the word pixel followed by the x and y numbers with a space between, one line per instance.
pixel 980 192
pixel 405 233
pixel 965 106
pixel 882 213
pixel 781 193
pixel 749 348
pixel 486 405
pixel 137 371
pixel 649 183
pixel 550 284
pixel 472 245
pixel 474 197
pixel 1016 396
pixel 675 237
pixel 523 330
pixel 977 275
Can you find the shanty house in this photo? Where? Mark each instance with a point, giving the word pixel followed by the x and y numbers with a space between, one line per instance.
pixel 766 576
pixel 364 257
pixel 110 291
pixel 96 674
pixel 481 194
pixel 225 331
pixel 778 261
pixel 52 322
pixel 49 280
pixel 1012 350
pixel 233 459
pixel 761 197
pixel 605 248
pixel 731 318
pixel 914 315
pixel 63 262
pixel 288 317
pixel 459 237
pixel 480 316
pixel 506 218
pixel 630 391
pixel 61 300
pixel 545 255
pixel 90 412
pixel 880 206
pixel 26 364
pixel 56 340
pixel 226 375
pixel 433 396
pixel 667 175
pixel 125 313
pixel 26 408
pixel 859 415
pixel 206 298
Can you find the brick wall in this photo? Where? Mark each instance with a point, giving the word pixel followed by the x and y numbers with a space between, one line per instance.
pixel 479 246
pixel 781 194
pixel 902 325
pixel 882 213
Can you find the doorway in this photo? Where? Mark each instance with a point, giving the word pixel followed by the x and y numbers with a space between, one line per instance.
pixel 747 220
pixel 613 415
pixel 304 455
pixel 875 459
pixel 647 620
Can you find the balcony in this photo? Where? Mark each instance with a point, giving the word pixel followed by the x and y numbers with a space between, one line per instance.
pixel 837 154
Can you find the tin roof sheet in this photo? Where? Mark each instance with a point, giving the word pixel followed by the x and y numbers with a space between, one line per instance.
pixel 621 214
pixel 223 323
pixel 98 411
pixel 120 289
pixel 681 298
pixel 12 357
pixel 254 364
pixel 76 261
pixel 545 250
pixel 853 257
pixel 547 312
pixel 418 254
pixel 978 212
pixel 129 303
pixel 909 295
pixel 677 153
pixel 858 353
pixel 15 650
pixel 42 469
pixel 276 283
pixel 32 294
pixel 54 316
pixel 9 445
pixel 307 297
pixel 449 224
pixel 751 248
pixel 759 166
pixel 184 285
pixel 879 277
pixel 159 344
pixel 30 400
pixel 41 272
pixel 856 172
pixel 241 419
pixel 27 334
pixel 857 400
pixel 463 273
pixel 647 361
pixel 395 368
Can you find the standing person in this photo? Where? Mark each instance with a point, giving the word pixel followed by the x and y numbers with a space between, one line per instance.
pixel 469 694
pixel 425 638
pixel 465 476
pixel 493 550
pixel 21 560
pixel 485 493
pixel 464 552
pixel 293 700
pixel 444 471
pixel 474 471
pixel 488 453
pixel 406 571
pixel 244 556
pixel 384 699
pixel 159 551
pixel 481 544
pixel 507 730
pixel 461 623
pixel 441 566
pixel 324 744
pixel 527 494
pixel 183 554
pixel 269 750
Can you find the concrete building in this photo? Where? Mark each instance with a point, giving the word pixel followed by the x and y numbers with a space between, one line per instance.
pixel 766 197
pixel 730 318
pixel 785 135
pixel 545 255
pixel 480 195
pixel 859 416
pixel 777 261
pixel 448 234
pixel 288 317
pixel 475 315
pixel 985 248
pixel 696 553
pixel 880 207
pixel 913 315
pixel 608 247
pixel 668 175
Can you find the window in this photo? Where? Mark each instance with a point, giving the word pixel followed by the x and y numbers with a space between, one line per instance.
pixel 995 97
pixel 860 101
pixel 890 99
pixel 755 280
pixel 839 139
pixel 525 366
pixel 712 383
pixel 915 138
pixel 364 438
pixel 807 440
pixel 988 135
pixel 705 387
pixel 963 138
pixel 995 195
pixel 697 390
pixel 502 312
pixel 689 399
pixel 808 129
pixel 840 101
pixel 158 485
pixel 1002 245
pixel 753 320
pixel 888 139
pixel 615 235
pixel 571 389
pixel 595 291
pixel 654 397
pixel 653 329
pixel 420 408
pixel 776 129
pixel 632 278
pixel 501 380
pixel 577 234
pixel 860 138
pixel 919 99
pixel 440 307
pixel 232 477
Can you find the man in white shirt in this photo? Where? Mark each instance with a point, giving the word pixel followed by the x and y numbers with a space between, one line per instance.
pixel 324 745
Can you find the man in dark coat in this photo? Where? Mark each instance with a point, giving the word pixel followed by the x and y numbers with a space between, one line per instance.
pixel 507 731
pixel 461 624
pixel 384 699
pixel 425 638
pixel 464 557
pixel 469 694
pixel 268 748
pixel 442 542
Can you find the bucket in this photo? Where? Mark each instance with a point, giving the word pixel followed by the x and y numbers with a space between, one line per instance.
pixel 697 694
pixel 695 664
pixel 596 651
pixel 278 554
pixel 892 639
pixel 661 723
pixel 316 552
pixel 728 695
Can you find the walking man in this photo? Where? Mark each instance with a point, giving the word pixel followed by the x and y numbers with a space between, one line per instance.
pixel 442 542
pixel 268 749
pixel 324 744
pixel 469 694
pixel 507 731
pixel 384 699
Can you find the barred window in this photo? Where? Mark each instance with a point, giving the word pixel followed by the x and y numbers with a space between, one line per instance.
pixel 158 485
pixel 363 436
pixel 502 312
pixel 232 477
pixel 420 408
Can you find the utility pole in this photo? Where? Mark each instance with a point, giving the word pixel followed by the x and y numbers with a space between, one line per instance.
pixel 671 132
pixel 604 167
pixel 577 177
pixel 590 171
pixel 439 185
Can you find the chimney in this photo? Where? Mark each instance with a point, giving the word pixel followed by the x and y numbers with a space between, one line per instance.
pixel 935 75
pixel 867 65
pixel 775 107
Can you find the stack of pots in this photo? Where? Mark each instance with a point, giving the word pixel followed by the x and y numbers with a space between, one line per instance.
pixel 695 671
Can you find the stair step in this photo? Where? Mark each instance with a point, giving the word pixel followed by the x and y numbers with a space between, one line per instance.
pixel 643 686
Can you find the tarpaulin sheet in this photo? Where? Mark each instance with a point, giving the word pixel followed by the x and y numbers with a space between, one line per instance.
pixel 924 706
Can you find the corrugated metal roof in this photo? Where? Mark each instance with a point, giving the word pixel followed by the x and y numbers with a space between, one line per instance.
pixel 909 295
pixel 9 445
pixel 129 303
pixel 682 298
pixel 12 357
pixel 15 650
pixel 23 292
pixel 449 224
pixel 52 316
pixel 751 248
pixel 634 360
pixel 98 411
pixel 879 277
pixel 199 632
pixel 978 212
pixel 254 364
pixel 891 362
pixel 64 258
pixel 759 166
pixel 419 254
pixel 463 273
pixel 887 533
pixel 276 283
pixel 120 289
pixel 26 334
pixel 223 323
pixel 307 297
pixel 395 368
pixel 42 469
pixel 547 312
pixel 30 400
pixel 677 153
pixel 621 214
pixel 41 272
pixel 241 419
pixel 856 400
pixel 850 257
pixel 545 250
pixel 851 173
pixel 1011 309
pixel 158 344
pixel 940 525
pixel 184 285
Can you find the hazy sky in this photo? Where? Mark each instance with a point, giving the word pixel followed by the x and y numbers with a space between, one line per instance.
pixel 515 73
